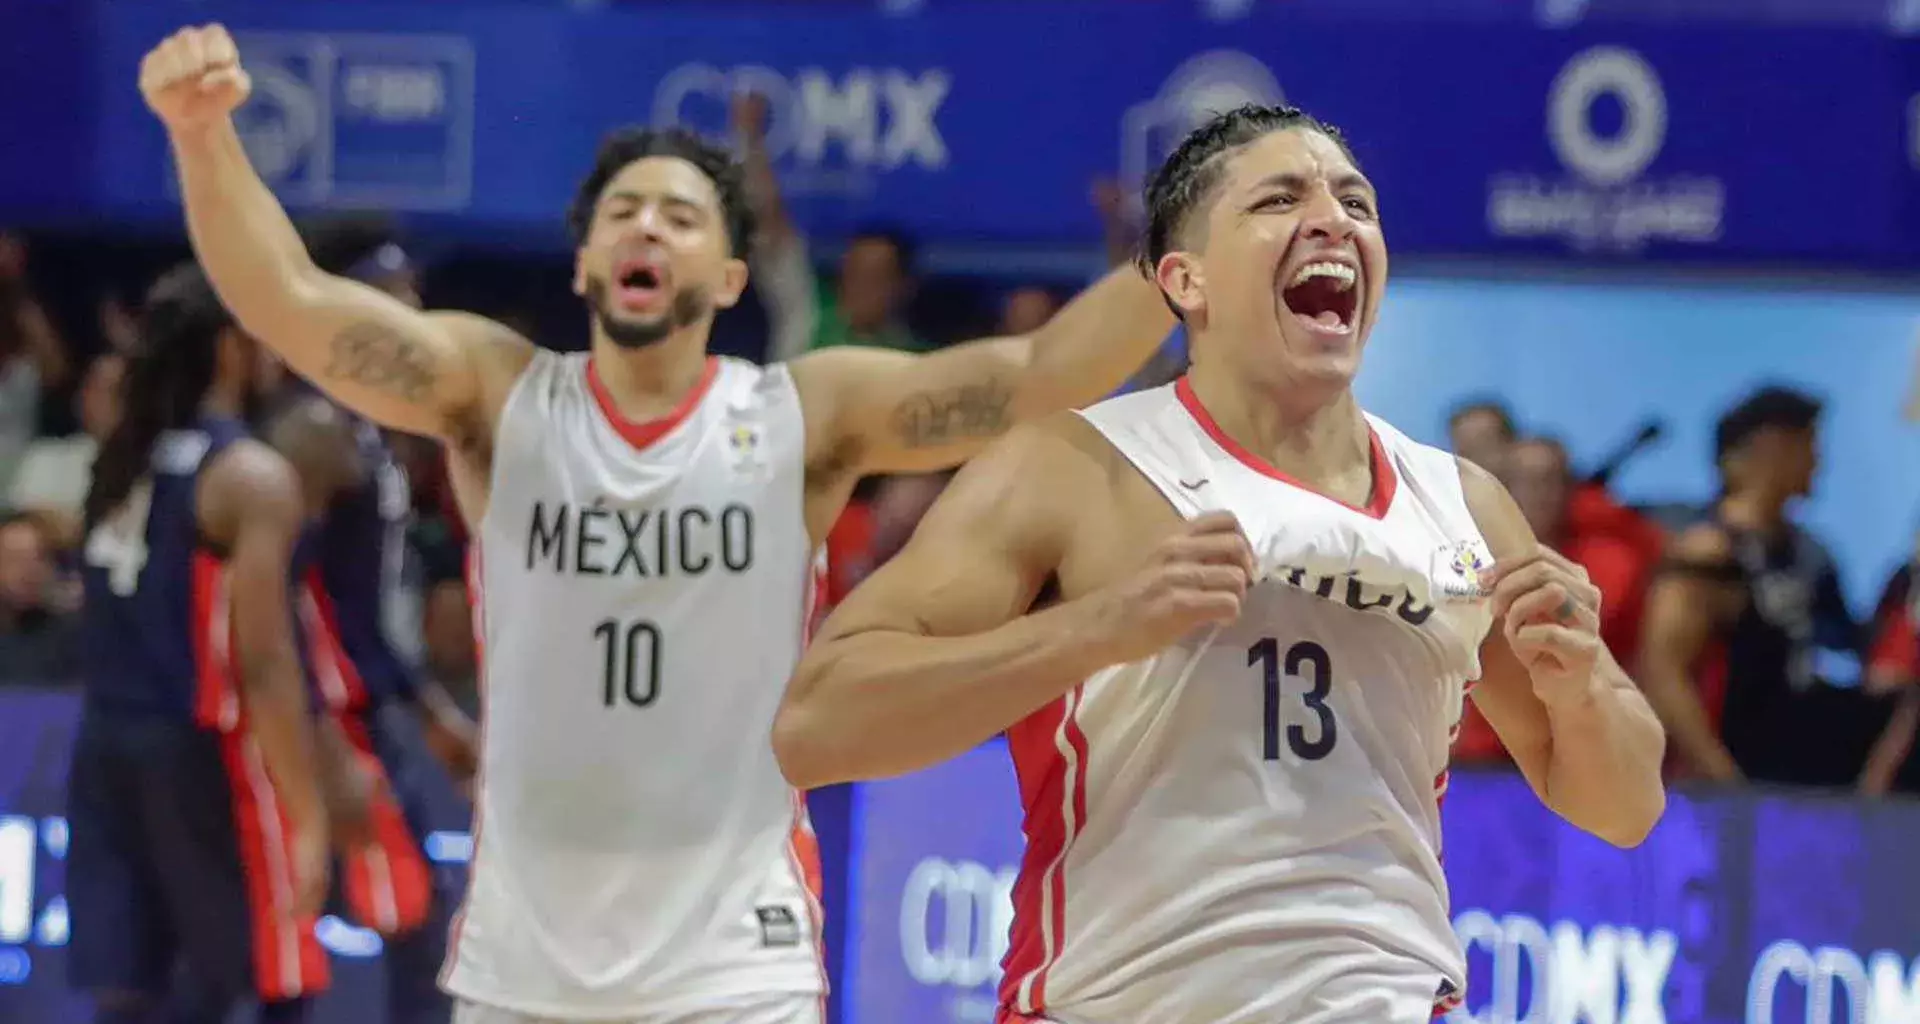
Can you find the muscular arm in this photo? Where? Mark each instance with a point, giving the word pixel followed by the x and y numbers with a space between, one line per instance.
pixel 934 653
pixel 878 411
pixel 1684 607
pixel 250 502
pixel 1592 755
pixel 423 373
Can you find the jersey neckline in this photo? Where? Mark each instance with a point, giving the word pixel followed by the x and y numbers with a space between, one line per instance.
pixel 642 434
pixel 1385 481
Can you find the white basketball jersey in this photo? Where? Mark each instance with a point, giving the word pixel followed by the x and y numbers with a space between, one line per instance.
pixel 644 590
pixel 1245 828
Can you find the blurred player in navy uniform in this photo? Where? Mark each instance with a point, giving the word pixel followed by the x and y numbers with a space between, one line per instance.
pixel 199 823
pixel 1748 651
pixel 358 674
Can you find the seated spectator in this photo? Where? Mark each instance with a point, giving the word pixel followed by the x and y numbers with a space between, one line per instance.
pixel 36 626
pixel 53 476
pixel 1482 432
pixel 1748 651
pixel 1027 309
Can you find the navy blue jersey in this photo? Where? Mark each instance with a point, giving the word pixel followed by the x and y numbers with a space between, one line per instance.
pixel 155 631
pixel 357 555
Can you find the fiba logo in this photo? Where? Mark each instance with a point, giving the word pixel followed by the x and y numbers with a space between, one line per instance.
pixel 1600 72
pixel 1206 84
pixel 1610 201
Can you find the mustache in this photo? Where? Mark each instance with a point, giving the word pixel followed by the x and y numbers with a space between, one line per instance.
pixel 690 305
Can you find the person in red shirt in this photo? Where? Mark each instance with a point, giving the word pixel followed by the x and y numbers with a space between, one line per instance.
pixel 1617 546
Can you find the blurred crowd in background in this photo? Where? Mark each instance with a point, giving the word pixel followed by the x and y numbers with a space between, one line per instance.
pixel 1730 614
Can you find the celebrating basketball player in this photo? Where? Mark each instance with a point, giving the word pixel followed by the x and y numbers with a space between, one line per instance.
pixel 646 516
pixel 1227 625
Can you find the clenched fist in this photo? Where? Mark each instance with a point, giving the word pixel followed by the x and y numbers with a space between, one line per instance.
pixel 1197 577
pixel 193 78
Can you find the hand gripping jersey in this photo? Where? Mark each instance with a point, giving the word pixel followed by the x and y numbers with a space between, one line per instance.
pixel 643 598
pixel 1245 828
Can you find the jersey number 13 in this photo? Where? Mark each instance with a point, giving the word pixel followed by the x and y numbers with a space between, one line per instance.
pixel 631 653
pixel 1306 661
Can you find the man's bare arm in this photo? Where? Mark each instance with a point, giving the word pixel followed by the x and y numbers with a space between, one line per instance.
pixel 250 500
pixel 937 652
pixel 934 654
pixel 1593 755
pixel 881 411
pixel 1683 607
pixel 422 373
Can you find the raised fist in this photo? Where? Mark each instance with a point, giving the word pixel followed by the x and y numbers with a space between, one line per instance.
pixel 193 78
pixel 1197 577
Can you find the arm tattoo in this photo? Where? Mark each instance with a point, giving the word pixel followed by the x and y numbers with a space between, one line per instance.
pixel 373 356
pixel 971 411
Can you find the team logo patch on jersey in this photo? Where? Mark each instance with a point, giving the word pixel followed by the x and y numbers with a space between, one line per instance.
pixel 745 449
pixel 779 926
pixel 1462 566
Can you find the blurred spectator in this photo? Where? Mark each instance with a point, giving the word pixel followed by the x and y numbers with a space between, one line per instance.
pixel 1027 309
pixel 1482 431
pixel 36 631
pixel 1747 631
pixel 1893 667
pixel 55 471
pixel 32 358
pixel 866 305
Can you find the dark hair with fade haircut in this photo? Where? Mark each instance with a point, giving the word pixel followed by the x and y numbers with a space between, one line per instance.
pixel 340 242
pixel 623 146
pixel 1192 171
pixel 1772 407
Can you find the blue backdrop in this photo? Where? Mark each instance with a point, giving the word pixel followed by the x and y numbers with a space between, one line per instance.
pixel 1694 130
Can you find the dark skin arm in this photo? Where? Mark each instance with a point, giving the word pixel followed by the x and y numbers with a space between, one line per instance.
pixel 1685 609
pixel 318 441
pixel 250 505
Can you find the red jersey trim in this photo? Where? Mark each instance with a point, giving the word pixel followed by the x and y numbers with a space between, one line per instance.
pixel 644 434
pixel 1386 482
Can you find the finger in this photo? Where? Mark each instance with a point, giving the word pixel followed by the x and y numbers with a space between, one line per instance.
pixel 1209 578
pixel 1571 567
pixel 1517 581
pixel 221 51
pixel 1548 638
pixel 1214 549
pixel 1199 608
pixel 1548 602
pixel 1213 522
pixel 193 45
pixel 1505 567
pixel 222 80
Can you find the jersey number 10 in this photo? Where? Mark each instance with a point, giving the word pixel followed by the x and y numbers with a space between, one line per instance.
pixel 1304 660
pixel 632 658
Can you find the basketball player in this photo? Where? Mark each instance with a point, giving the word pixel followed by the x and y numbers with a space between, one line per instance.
pixel 199 836
pixel 1226 626
pixel 644 516
pixel 356 552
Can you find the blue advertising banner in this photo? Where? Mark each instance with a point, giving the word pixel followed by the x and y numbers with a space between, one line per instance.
pixel 1594 130
pixel 1740 909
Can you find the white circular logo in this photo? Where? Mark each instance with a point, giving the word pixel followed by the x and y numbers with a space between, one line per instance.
pixel 1622 74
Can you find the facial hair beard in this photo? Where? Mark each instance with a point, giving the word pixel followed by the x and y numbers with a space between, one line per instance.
pixel 689 306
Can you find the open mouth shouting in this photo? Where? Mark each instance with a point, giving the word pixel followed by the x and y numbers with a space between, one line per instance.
pixel 1323 296
pixel 640 285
